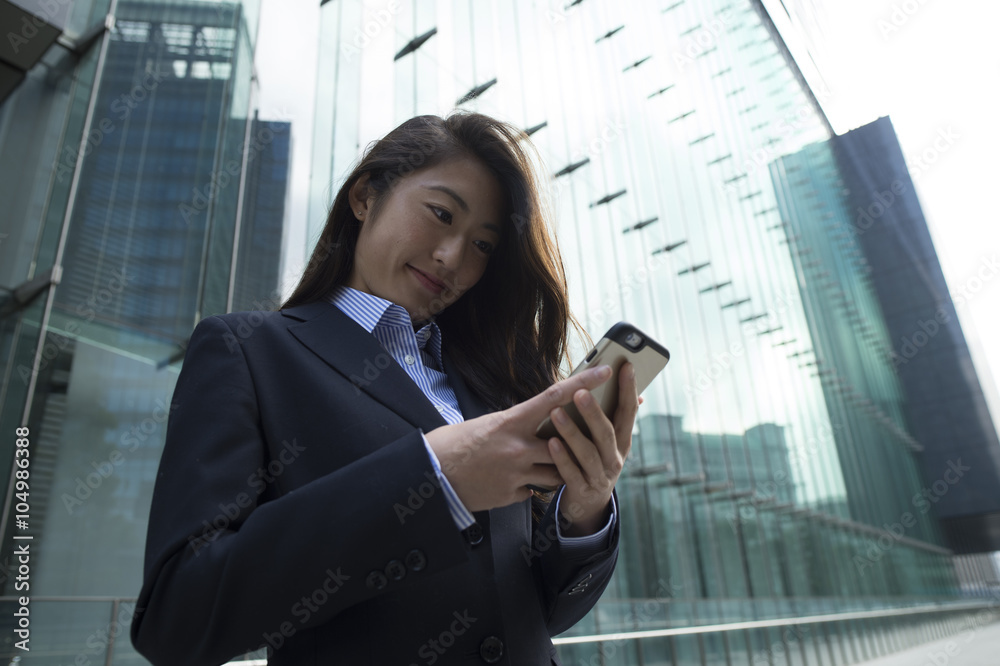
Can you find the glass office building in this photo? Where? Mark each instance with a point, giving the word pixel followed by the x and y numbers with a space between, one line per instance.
pixel 770 506
pixel 258 264
pixel 944 402
pixel 140 194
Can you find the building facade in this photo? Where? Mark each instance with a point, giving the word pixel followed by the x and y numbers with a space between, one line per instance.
pixel 265 207
pixel 944 403
pixel 768 506
pixel 140 194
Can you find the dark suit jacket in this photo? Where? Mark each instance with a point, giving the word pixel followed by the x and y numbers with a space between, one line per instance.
pixel 296 506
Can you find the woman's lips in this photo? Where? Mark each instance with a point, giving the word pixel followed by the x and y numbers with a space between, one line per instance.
pixel 429 283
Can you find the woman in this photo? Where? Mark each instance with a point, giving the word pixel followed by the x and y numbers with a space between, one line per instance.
pixel 345 480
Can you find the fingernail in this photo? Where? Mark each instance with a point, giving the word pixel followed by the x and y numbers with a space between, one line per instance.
pixel 603 371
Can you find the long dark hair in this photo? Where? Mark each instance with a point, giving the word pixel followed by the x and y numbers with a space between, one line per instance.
pixel 508 333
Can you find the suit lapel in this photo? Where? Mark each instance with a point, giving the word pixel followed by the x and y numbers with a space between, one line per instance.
pixel 355 353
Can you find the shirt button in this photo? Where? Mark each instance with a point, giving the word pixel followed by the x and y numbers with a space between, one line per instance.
pixel 410 359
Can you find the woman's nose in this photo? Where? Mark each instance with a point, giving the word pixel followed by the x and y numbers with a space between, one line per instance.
pixel 449 252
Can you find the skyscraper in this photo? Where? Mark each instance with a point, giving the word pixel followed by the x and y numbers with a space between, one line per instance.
pixel 944 402
pixel 141 193
pixel 261 232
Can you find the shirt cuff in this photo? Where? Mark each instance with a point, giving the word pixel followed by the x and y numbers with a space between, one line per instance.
pixel 592 542
pixel 459 513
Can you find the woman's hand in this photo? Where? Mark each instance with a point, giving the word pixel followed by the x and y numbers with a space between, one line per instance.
pixel 490 460
pixel 592 470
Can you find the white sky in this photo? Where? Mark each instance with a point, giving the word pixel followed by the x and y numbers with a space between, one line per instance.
pixel 932 66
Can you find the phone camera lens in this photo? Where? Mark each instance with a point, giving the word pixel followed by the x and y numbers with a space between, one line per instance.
pixel 633 340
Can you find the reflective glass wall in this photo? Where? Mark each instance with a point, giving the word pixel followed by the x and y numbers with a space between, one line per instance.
pixel 125 171
pixel 772 476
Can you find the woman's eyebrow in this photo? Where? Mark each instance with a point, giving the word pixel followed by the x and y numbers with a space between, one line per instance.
pixel 450 192
pixel 461 202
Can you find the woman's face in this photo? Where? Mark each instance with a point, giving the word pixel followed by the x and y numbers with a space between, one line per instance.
pixel 432 238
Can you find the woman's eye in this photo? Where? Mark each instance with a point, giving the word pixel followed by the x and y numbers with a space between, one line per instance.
pixel 485 246
pixel 441 214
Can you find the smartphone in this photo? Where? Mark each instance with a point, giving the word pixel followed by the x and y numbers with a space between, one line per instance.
pixel 623 342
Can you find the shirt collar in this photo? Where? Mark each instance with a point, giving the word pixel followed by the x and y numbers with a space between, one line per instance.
pixel 372 312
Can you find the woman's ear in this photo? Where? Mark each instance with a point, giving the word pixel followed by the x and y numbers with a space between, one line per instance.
pixel 358 196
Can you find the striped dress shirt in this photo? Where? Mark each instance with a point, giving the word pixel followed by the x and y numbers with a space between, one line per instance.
pixel 419 355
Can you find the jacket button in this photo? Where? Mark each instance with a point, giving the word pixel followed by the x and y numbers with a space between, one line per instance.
pixel 376 580
pixel 416 560
pixel 395 570
pixel 474 534
pixel 491 649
